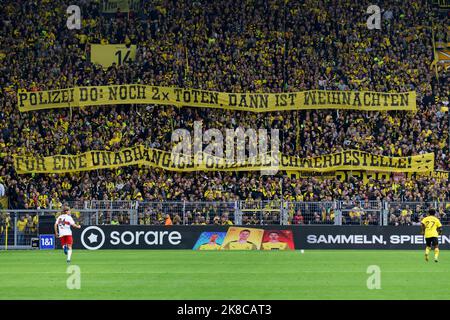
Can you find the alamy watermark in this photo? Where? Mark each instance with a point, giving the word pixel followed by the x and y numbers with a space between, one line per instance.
pixel 74 20
pixel 374 280
pixel 188 149
pixel 74 280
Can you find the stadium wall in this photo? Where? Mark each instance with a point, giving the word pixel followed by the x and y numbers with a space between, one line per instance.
pixel 296 237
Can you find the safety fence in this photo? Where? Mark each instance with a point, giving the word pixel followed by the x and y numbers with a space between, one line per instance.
pixel 18 227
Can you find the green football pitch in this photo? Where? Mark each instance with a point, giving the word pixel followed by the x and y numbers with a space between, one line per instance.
pixel 183 274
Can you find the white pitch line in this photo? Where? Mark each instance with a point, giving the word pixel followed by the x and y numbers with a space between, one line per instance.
pixel 246 273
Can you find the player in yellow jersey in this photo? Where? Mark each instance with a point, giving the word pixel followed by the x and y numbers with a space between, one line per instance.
pixel 211 245
pixel 242 243
pixel 274 243
pixel 431 228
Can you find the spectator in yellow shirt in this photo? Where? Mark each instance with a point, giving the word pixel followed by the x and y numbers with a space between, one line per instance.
pixel 21 225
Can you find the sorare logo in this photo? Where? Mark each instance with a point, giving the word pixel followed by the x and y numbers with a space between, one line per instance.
pixel 93 238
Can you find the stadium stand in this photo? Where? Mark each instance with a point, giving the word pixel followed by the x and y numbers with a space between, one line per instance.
pixel 229 46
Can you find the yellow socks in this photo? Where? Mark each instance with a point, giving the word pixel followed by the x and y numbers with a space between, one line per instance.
pixel 427 251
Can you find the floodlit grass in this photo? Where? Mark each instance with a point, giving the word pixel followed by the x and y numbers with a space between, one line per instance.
pixel 184 274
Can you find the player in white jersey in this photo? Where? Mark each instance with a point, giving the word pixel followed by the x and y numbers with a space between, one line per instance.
pixel 63 231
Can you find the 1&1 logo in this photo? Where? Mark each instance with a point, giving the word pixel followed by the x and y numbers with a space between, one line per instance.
pixel 93 234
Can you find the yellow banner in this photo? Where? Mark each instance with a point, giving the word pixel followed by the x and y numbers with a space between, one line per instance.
pixel 140 155
pixel 252 102
pixel 107 54
pixel 439 175
pixel 342 176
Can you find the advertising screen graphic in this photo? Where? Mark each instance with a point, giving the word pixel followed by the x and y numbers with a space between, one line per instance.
pixel 46 242
pixel 265 238
pixel 278 240
pixel 241 238
pixel 210 241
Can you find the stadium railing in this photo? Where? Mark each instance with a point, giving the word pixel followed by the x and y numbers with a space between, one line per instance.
pixel 15 234
pixel 97 204
pixel 76 204
pixel 409 213
pixel 186 213
pixel 260 212
pixel 275 212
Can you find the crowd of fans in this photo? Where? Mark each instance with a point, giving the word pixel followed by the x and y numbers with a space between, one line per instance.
pixel 255 46
pixel 26 226
pixel 270 212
